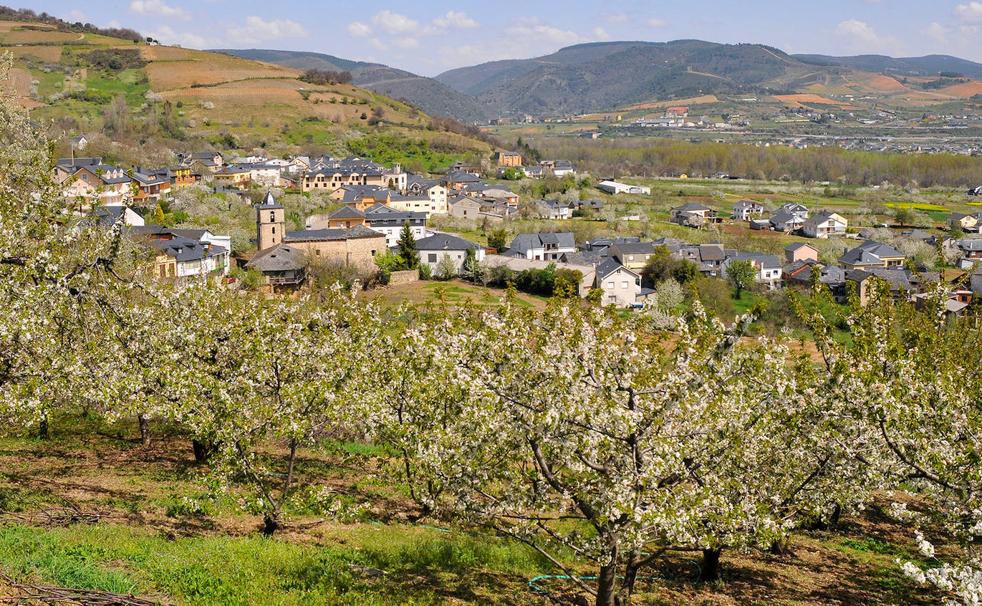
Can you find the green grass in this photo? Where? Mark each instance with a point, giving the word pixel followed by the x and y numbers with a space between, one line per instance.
pixel 49 83
pixel 230 571
pixel 131 83
pixel 746 302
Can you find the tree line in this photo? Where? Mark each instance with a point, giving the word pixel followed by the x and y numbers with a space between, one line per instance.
pixel 24 14
pixel 814 164
pixel 578 431
pixel 323 77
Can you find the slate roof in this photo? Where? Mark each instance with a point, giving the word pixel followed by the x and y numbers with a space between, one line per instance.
pixel 278 258
pixel 357 193
pixel 899 279
pixel 445 242
pixel 526 242
pixel 870 253
pixel 269 202
pixel 970 244
pixel 610 266
pixel 330 235
pixel 692 207
pixel 395 218
pixel 798 246
pixel 711 252
pixel 347 212
pixel 185 249
pixel 765 261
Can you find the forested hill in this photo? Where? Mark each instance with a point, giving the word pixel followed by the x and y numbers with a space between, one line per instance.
pixel 429 95
pixel 930 65
pixel 605 76
pixel 598 76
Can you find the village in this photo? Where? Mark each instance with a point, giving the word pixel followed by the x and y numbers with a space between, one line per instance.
pixel 377 204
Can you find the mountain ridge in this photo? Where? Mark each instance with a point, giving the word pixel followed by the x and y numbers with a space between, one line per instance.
pixel 429 95
pixel 604 76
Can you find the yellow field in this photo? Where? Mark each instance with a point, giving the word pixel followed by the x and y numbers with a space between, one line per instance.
pixel 175 68
pixel 8 26
pixel 966 90
pixel 805 98
pixel 703 100
pixel 49 54
pixel 35 37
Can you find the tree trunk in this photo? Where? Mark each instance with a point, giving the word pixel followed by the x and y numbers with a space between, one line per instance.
pixel 780 547
pixel 630 578
pixel 43 432
pixel 709 572
pixel 835 517
pixel 270 525
pixel 144 429
pixel 607 584
pixel 202 451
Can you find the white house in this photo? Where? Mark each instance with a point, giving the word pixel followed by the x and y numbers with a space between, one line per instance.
pixel 745 210
pixel 553 210
pixel 542 247
pixel 562 168
pixel 433 249
pixel 412 203
pixel 434 190
pixel 620 285
pixel 769 268
pixel 614 187
pixel 110 215
pixel 390 223
pixel 825 224
pixel 193 257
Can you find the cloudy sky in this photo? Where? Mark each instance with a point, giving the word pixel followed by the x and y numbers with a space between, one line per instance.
pixel 433 36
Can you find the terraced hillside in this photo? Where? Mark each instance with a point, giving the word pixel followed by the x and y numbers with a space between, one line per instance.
pixel 72 79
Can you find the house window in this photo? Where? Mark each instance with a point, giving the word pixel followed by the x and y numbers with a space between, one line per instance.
pixel 317 252
pixel 431 258
pixel 274 230
pixel 624 284
pixel 610 285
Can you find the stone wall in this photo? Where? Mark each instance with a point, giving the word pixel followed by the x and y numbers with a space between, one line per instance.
pixel 404 277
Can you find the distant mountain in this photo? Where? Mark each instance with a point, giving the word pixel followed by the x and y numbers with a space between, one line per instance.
pixel 606 75
pixel 931 65
pixel 432 97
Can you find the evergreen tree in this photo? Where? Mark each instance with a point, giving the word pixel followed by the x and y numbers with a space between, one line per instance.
pixel 407 247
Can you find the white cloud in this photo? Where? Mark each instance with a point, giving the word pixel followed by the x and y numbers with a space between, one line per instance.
pixel 937 31
pixel 166 35
pixel 533 28
pixel 454 20
pixel 158 8
pixel 616 18
pixel 394 23
pixel 857 30
pixel 600 33
pixel 359 30
pixel 77 15
pixel 656 23
pixel 256 29
pixel 970 12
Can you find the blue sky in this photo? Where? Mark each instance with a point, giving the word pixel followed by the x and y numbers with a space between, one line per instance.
pixel 430 37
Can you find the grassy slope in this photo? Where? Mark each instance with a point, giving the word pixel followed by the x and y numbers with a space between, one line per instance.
pixel 256 103
pixel 161 534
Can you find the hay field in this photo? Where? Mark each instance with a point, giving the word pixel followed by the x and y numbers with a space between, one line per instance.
pixel 48 54
pixel 802 99
pixel 174 68
pixel 964 90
